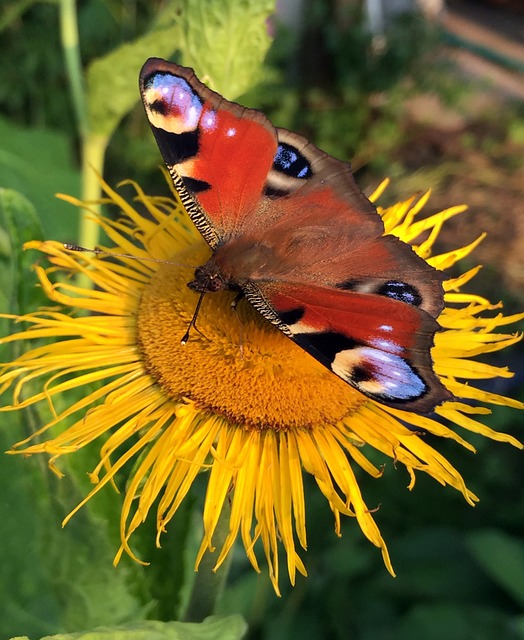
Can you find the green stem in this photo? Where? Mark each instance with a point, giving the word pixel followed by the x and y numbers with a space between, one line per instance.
pixel 208 585
pixel 70 45
pixel 93 145
pixel 94 149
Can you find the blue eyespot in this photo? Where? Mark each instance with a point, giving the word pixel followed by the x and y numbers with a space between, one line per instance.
pixel 177 98
pixel 290 161
pixel 401 291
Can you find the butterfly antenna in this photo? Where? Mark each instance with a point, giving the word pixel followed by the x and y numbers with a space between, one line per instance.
pixel 192 323
pixel 77 247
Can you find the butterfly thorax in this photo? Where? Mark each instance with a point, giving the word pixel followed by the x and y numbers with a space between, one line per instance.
pixel 235 262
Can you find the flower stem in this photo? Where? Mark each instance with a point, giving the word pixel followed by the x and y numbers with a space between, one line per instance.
pixel 70 45
pixel 93 145
pixel 93 154
pixel 208 584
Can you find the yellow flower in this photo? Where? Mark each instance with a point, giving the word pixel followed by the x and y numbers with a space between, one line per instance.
pixel 240 401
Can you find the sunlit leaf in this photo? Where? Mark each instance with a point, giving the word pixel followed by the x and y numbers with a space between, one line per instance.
pixel 215 628
pixel 225 41
pixel 112 81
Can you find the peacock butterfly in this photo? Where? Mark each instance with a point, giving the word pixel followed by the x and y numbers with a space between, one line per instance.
pixel 290 229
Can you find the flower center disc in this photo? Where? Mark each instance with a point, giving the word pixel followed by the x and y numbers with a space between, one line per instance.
pixel 236 363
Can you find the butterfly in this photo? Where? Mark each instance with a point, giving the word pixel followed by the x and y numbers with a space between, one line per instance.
pixel 292 232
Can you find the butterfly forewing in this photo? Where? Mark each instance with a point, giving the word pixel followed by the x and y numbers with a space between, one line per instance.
pixel 222 151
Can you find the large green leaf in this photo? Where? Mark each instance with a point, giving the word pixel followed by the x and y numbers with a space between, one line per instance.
pixel 502 558
pixel 214 628
pixel 225 41
pixel 29 605
pixel 56 578
pixel 20 223
pixel 38 163
pixel 458 621
pixel 112 81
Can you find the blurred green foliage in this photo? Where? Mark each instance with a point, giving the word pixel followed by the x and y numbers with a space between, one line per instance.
pixel 460 571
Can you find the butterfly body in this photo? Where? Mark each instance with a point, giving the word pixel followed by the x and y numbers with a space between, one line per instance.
pixel 291 230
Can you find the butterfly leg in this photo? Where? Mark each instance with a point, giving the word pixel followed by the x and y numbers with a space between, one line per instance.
pixel 234 304
pixel 237 299
pixel 193 320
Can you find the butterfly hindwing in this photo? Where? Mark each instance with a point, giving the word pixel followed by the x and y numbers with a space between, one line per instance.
pixel 376 343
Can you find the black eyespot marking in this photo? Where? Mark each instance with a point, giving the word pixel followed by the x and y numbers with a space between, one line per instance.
pixel 293 316
pixel 327 343
pixel 158 106
pixel 271 192
pixel 290 161
pixel 348 285
pixel 195 185
pixel 401 291
pixel 176 147
pixel 361 373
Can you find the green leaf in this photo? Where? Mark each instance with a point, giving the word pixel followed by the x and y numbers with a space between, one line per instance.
pixel 112 81
pixel 20 223
pixel 225 41
pixel 502 558
pixel 56 578
pixel 20 217
pixel 214 628
pixel 519 626
pixel 454 620
pixel 28 604
pixel 38 163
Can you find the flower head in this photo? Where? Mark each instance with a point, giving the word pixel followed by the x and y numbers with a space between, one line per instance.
pixel 240 401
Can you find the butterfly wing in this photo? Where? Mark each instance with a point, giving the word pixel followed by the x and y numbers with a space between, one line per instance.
pixel 231 158
pixel 362 304
pixel 379 345
pixel 291 228
pixel 315 236
pixel 222 151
